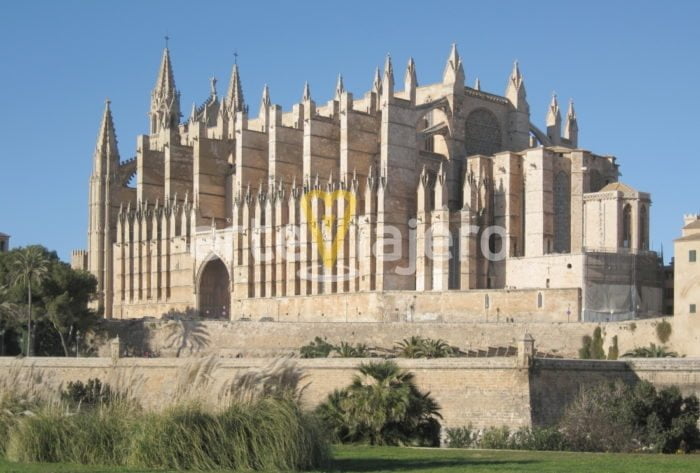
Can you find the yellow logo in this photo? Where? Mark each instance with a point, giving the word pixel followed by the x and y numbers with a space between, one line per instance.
pixel 323 229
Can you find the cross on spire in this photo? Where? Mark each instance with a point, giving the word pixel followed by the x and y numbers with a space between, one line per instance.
pixel 235 56
pixel 167 39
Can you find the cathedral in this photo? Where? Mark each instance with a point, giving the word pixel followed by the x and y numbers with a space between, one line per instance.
pixel 407 203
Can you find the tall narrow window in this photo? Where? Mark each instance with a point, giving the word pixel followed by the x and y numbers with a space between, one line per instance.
pixel 562 213
pixel 626 227
pixel 692 256
pixel 643 228
pixel 539 300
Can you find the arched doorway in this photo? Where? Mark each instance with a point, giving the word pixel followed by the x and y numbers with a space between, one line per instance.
pixel 214 290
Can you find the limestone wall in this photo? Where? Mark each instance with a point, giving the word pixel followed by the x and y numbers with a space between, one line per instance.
pixel 483 392
pixel 478 391
pixel 558 305
pixel 253 338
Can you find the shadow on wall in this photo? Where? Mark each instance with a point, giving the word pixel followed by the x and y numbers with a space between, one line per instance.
pixel 185 332
pixel 554 384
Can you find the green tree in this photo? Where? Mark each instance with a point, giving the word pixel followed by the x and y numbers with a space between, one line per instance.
pixel 30 267
pixel 66 294
pixel 382 406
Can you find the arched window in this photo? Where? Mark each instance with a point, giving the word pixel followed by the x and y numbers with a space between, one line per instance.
pixel 562 213
pixel 539 300
pixel 487 302
pixel 627 226
pixel 483 133
pixel 643 228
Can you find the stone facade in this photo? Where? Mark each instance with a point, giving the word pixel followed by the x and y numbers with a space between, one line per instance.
pixel 686 280
pixel 484 392
pixel 438 192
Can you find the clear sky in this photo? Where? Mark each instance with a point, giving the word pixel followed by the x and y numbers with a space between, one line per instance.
pixel 632 68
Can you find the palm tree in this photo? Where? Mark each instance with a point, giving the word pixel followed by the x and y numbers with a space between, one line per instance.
pixel 382 406
pixel 432 348
pixel 652 351
pixel 410 347
pixel 30 266
pixel 348 350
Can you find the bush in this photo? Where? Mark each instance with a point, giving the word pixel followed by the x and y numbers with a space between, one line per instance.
pixel 382 406
pixel 592 347
pixel 95 436
pixel 460 437
pixel 419 347
pixel 88 394
pixel 538 438
pixel 614 350
pixel 348 350
pixel 495 438
pixel 319 348
pixel 663 331
pixel 619 418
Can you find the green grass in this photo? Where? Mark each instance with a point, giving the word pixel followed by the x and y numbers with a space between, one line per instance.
pixel 409 460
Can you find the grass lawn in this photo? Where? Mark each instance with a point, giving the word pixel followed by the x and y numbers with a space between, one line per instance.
pixel 387 459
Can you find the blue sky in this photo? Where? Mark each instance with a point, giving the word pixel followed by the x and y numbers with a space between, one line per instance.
pixel 632 69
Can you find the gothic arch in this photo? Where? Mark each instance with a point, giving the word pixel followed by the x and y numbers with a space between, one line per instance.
pixel 626 241
pixel 213 284
pixel 643 228
pixel 483 133
pixel 562 213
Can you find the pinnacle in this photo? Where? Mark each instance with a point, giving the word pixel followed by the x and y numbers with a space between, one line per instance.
pixel 307 92
pixel 339 87
pixel 234 95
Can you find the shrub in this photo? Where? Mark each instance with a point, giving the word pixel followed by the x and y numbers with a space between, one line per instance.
pixel 319 348
pixel 652 351
pixel 382 406
pixel 538 438
pixel 460 437
pixel 495 438
pixel 348 350
pixel 419 347
pixel 619 418
pixel 94 436
pixel 614 350
pixel 87 394
pixel 663 331
pixel 592 347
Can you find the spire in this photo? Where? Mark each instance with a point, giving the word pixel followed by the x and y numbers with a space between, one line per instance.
pixel 106 151
pixel 454 72
pixel 377 82
pixel 166 80
pixel 410 80
pixel 388 81
pixel 553 112
pixel 571 130
pixel 554 121
pixel 234 96
pixel 306 97
pixel 165 99
pixel 515 90
pixel 339 88
pixel 477 84
pixel 193 113
pixel 265 101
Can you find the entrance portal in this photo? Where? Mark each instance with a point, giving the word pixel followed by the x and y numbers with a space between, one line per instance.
pixel 214 291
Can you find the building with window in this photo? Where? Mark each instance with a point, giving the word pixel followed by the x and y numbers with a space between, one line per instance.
pixel 686 299
pixel 450 192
